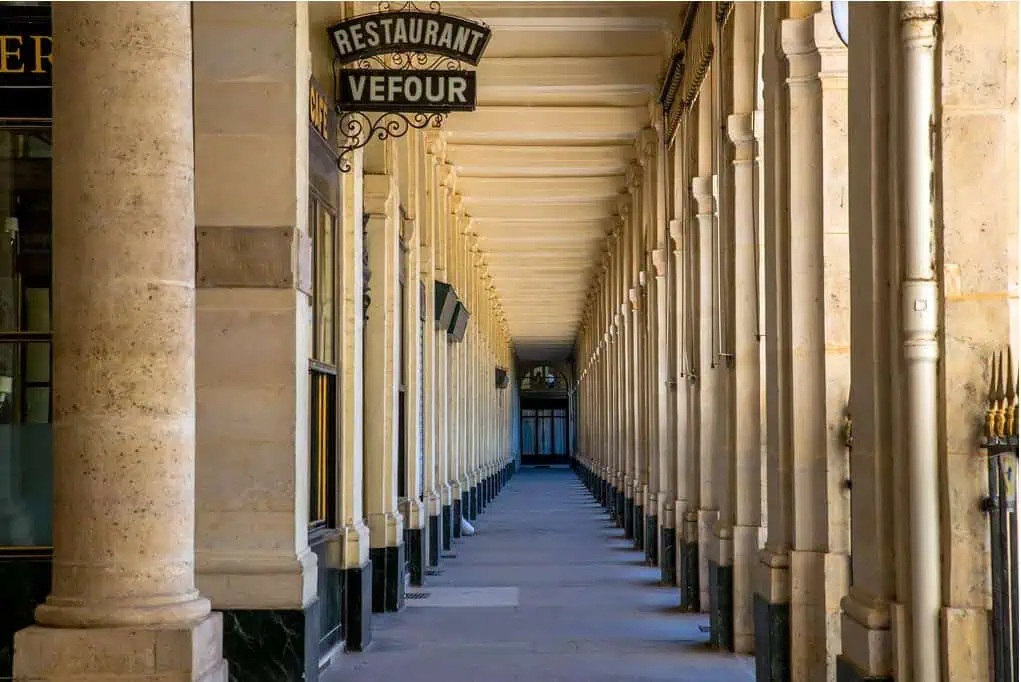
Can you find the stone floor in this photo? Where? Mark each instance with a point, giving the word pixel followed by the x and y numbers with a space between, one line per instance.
pixel 547 591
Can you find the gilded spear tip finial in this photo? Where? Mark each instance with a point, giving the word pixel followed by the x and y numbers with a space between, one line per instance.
pixel 1001 400
pixel 991 400
pixel 1011 397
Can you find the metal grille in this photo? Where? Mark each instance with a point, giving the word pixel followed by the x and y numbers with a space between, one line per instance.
pixel 416 595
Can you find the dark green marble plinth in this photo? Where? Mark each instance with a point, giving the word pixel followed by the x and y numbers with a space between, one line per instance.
pixel 455 519
pixel 387 578
pixel 772 641
pixel 414 543
pixel 447 517
pixel 272 645
pixel 651 537
pixel 668 559
pixel 358 607
pixel 25 577
pixel 638 526
pixel 688 577
pixel 849 672
pixel 621 511
pixel 629 518
pixel 435 541
pixel 721 606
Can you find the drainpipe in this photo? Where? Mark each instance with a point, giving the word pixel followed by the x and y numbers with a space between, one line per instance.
pixel 920 322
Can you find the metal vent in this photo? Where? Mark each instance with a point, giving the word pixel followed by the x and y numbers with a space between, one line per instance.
pixel 416 595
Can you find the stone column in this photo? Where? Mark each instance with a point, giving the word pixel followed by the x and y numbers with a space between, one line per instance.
pixel 354 534
pixel 382 358
pixel 820 339
pixel 123 602
pixel 743 512
pixel 428 238
pixel 746 507
pixel 772 595
pixel 708 380
pixel 444 271
pixel 412 508
pixel 866 639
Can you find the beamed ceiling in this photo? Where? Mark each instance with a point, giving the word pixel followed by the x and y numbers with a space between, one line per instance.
pixel 563 91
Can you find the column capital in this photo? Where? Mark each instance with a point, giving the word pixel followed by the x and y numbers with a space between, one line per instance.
pixel 436 143
pixel 659 261
pixel 677 233
pixel 918 20
pixel 633 296
pixel 702 192
pixel 624 204
pixel 448 177
pixel 646 145
pixel 633 175
pixel 741 131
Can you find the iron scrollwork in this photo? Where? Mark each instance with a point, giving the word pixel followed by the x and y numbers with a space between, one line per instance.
pixel 357 129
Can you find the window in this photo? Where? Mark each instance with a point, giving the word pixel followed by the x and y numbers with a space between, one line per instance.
pixel 323 436
pixel 26 446
pixel 323 229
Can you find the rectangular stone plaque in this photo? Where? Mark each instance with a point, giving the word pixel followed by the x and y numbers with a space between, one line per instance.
pixel 244 257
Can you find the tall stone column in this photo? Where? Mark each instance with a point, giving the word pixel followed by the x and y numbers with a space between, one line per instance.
pixel 354 534
pixel 412 508
pixel 431 494
pixel 444 272
pixel 746 507
pixel 866 638
pixel 382 358
pixel 772 593
pixel 708 386
pixel 123 601
pixel 663 539
pixel 820 339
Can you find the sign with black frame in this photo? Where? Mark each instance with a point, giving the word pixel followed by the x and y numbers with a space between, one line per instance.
pixel 407 66
pixel 26 65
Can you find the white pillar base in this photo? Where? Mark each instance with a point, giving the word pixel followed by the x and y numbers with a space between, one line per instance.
pixel 183 653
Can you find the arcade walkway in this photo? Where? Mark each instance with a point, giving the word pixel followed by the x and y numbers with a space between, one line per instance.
pixel 548 590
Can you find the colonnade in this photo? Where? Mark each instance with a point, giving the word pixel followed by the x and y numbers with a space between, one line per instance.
pixel 258 422
pixel 787 256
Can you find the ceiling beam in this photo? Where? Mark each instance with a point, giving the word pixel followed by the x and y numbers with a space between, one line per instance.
pixel 508 125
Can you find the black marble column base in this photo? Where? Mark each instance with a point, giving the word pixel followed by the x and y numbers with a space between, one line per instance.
pixel 476 502
pixel 272 645
pixel 25 578
pixel 414 542
pixel 455 518
pixel 721 606
pixel 629 518
pixel 639 527
pixel 651 538
pixel 387 578
pixel 357 607
pixel 688 577
pixel 849 672
pixel 448 526
pixel 668 558
pixel 434 544
pixel 621 511
pixel 773 641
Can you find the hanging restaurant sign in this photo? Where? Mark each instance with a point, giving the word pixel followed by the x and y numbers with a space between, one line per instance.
pixel 425 32
pixel 383 90
pixel 405 64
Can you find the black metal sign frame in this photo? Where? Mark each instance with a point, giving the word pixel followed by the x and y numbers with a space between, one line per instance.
pixel 409 66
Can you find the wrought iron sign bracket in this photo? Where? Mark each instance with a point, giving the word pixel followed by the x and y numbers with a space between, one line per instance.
pixel 400 69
